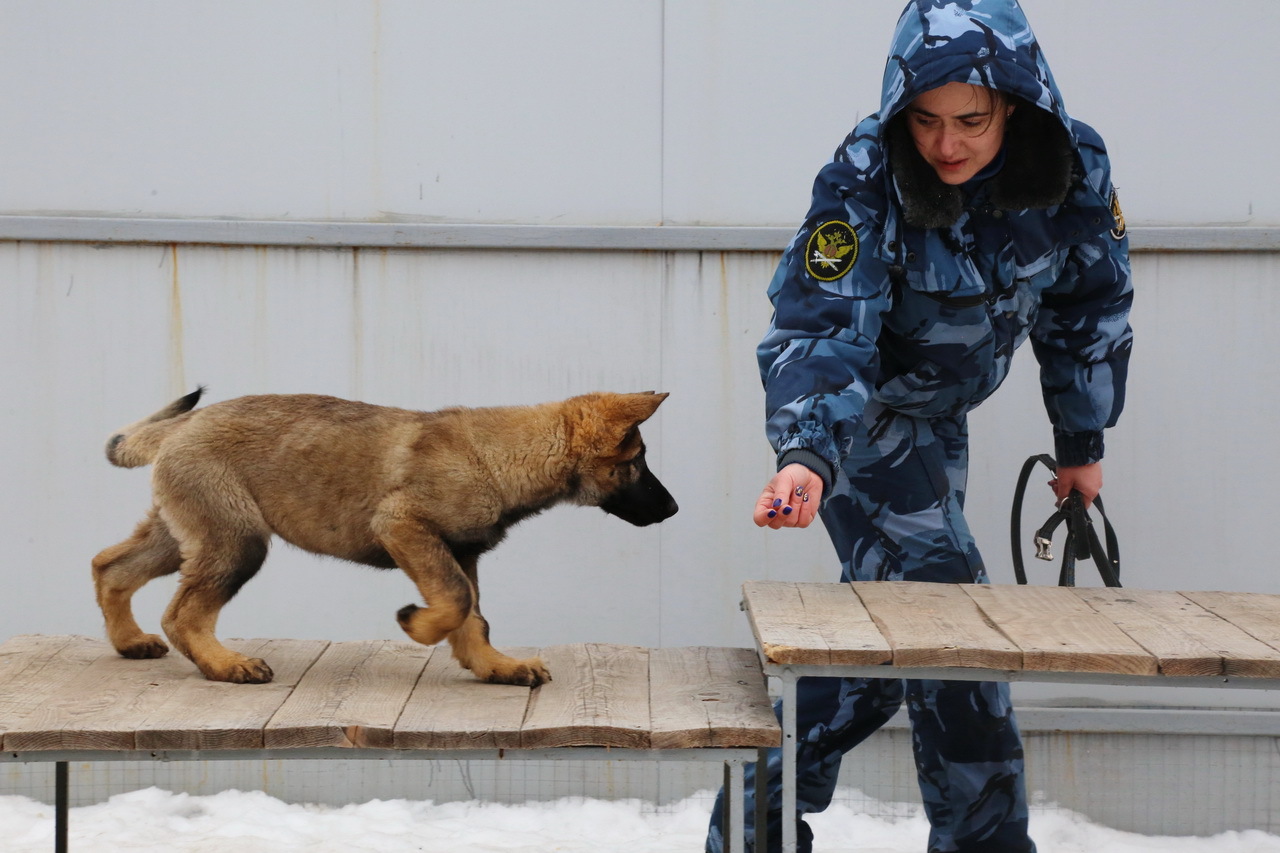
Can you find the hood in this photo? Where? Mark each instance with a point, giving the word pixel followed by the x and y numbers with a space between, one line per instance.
pixel 986 43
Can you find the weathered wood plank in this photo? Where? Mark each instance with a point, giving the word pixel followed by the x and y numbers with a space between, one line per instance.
pixel 33 667
pixel 200 714
pixel 450 709
pixel 813 623
pixel 1186 639
pixel 705 696
pixel 96 706
pixel 936 624
pixel 600 697
pixel 1058 632
pixel 1255 613
pixel 351 697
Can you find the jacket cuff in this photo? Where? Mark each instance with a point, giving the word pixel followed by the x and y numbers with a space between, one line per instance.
pixel 1073 449
pixel 813 462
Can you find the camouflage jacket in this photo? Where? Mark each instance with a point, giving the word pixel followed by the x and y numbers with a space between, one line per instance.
pixel 905 290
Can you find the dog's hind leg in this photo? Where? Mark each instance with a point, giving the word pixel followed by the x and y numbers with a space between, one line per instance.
pixel 212 573
pixel 472 649
pixel 121 570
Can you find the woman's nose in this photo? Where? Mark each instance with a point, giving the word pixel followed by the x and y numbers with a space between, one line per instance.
pixel 948 142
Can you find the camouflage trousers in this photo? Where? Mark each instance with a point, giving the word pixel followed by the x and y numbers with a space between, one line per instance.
pixel 897 514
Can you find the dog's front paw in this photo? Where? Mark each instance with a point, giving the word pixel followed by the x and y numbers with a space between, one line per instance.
pixel 243 671
pixel 146 647
pixel 527 673
pixel 429 625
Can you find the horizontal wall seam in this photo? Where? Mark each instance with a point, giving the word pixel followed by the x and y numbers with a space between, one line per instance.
pixel 1140 721
pixel 421 235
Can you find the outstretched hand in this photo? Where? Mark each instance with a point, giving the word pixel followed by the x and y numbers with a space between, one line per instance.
pixel 790 499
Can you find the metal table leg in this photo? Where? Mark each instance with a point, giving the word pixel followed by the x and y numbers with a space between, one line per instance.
pixel 61 786
pixel 788 761
pixel 762 800
pixel 734 813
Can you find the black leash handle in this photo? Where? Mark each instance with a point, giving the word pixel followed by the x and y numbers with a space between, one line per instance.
pixel 1081 543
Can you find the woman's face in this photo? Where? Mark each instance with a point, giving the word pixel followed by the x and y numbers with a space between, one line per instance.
pixel 958 129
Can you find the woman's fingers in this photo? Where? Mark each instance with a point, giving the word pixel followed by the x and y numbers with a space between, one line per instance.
pixel 790 499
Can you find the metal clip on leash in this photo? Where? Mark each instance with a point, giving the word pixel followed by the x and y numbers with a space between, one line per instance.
pixel 1081 542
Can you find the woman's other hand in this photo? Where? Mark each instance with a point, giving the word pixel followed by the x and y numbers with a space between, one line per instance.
pixel 1085 479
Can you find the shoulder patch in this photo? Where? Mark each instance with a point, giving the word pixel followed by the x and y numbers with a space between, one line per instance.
pixel 1119 231
pixel 832 250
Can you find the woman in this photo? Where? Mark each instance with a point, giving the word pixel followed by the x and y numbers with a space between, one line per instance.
pixel 970 213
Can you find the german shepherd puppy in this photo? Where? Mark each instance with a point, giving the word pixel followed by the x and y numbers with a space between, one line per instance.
pixel 428 492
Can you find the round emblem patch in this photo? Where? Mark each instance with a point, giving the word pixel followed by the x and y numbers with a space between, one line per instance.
pixel 832 250
pixel 1119 231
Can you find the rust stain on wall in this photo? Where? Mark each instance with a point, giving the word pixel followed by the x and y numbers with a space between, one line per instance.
pixel 177 369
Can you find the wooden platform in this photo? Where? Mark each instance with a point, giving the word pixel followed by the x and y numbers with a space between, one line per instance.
pixel 74 693
pixel 68 699
pixel 1007 631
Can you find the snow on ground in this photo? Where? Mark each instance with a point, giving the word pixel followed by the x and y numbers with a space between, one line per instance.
pixel 155 821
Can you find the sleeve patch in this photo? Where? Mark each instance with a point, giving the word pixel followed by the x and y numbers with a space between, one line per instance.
pixel 831 251
pixel 1119 231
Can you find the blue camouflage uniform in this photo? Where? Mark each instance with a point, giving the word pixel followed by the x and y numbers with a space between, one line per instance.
pixel 897 308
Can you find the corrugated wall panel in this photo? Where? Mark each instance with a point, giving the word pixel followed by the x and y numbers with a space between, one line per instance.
pixel 95 338
pixel 574 112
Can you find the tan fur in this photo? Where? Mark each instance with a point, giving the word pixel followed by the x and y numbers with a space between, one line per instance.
pixel 427 492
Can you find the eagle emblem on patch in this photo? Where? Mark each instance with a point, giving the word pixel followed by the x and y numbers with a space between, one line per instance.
pixel 1119 231
pixel 832 250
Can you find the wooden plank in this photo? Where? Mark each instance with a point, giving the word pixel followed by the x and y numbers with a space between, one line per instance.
pixel 600 697
pixel 351 697
pixel 1186 639
pixel 200 714
pixel 1255 613
pixel 813 623
pixel 706 696
pixel 97 706
pixel 27 653
pixel 936 624
pixel 1058 632
pixel 450 708
pixel 34 667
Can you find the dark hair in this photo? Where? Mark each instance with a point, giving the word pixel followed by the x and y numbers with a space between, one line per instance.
pixel 997 103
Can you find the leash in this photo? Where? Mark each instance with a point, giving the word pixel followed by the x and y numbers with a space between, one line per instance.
pixel 1081 543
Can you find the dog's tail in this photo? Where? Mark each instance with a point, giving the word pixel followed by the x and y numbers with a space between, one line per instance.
pixel 136 445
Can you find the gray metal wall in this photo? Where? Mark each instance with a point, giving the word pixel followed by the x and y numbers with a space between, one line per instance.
pixel 599 112
pixel 97 336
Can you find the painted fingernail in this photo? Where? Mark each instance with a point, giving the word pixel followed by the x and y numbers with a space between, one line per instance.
pixel 777 502
pixel 773 513
pixel 799 491
pixel 806 497
pixel 786 510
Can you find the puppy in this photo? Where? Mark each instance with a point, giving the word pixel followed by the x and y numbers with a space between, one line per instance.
pixel 425 492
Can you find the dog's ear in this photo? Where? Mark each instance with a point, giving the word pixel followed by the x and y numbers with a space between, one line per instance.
pixel 631 410
pixel 606 421
pixel 626 412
